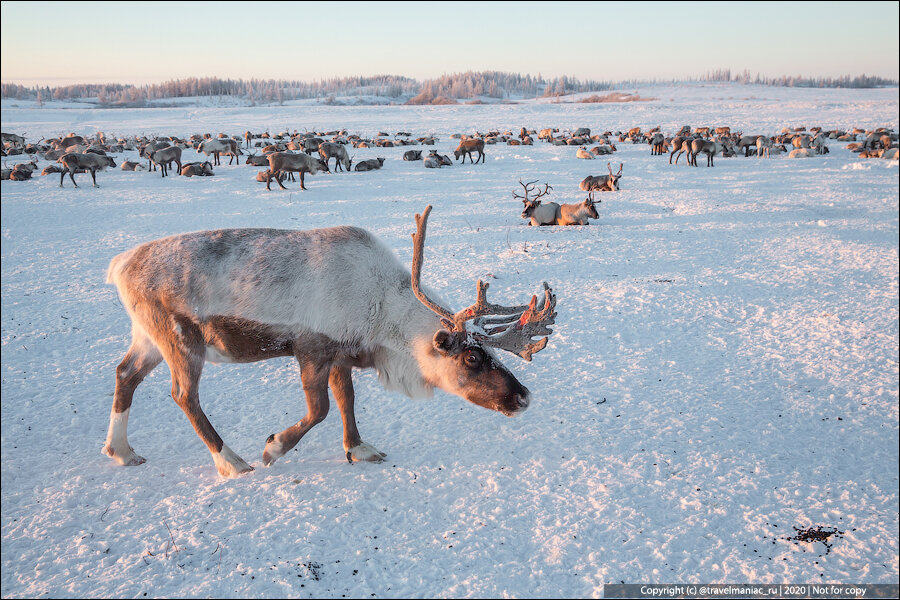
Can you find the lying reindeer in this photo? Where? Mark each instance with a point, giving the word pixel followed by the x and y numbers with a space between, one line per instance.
pixel 602 183
pixel 371 164
pixel 538 213
pixel 203 169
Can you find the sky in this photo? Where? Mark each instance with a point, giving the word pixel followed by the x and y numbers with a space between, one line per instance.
pixel 60 43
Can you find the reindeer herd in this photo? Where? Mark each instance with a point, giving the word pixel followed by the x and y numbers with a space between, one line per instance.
pixel 244 295
pixel 288 154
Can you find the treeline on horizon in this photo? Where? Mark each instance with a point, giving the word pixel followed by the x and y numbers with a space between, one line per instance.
pixel 444 89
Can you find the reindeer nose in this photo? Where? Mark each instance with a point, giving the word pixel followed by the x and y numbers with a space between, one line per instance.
pixel 521 401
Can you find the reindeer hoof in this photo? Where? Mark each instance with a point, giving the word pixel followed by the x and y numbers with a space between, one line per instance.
pixel 365 452
pixel 272 452
pixel 126 458
pixel 230 464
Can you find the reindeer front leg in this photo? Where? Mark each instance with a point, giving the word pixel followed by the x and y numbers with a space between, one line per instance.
pixel 314 376
pixel 342 387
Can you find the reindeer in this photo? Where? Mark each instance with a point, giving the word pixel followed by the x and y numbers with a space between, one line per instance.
pixel 537 213
pixel 217 146
pixel 12 138
pixel 132 166
pixel 680 145
pixel 602 183
pixel 203 169
pixel 578 213
pixel 23 170
pixel 467 147
pixel 745 142
pixel 433 161
pixel 165 156
pixel 329 150
pixel 147 150
pixel 371 164
pixel 708 147
pixel 584 153
pixel 658 144
pixel 412 155
pixel 603 149
pixel 88 161
pixel 310 145
pixel 818 144
pixel 334 299
pixel 764 146
pixel 283 162
pixel 257 160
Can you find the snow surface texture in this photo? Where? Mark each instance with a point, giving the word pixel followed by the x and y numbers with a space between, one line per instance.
pixel 724 369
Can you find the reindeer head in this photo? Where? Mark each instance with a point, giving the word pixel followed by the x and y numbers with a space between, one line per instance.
pixel 461 361
pixel 532 203
pixel 590 206
pixel 613 181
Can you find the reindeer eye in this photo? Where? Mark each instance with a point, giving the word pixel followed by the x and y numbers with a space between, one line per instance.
pixel 474 358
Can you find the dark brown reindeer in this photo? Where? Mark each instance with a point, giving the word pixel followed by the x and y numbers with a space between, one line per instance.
pixel 334 299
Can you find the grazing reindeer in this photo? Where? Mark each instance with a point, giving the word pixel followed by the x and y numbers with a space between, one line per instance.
pixel 467 147
pixel 746 142
pixel 329 150
pixel 334 299
pixel 602 183
pixel 534 210
pixel 88 162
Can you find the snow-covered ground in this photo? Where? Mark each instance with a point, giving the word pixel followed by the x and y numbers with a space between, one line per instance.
pixel 724 368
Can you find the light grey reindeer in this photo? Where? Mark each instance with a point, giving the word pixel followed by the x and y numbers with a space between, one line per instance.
pixel 335 299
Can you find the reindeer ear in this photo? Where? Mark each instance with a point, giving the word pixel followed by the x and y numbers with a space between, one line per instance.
pixel 448 343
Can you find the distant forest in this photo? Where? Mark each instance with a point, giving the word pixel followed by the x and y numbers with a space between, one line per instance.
pixel 443 90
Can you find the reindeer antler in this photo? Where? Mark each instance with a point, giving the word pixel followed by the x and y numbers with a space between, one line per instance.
pixel 527 189
pixel 516 337
pixel 509 328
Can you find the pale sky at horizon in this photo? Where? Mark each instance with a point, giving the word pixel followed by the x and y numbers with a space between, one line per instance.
pixel 46 43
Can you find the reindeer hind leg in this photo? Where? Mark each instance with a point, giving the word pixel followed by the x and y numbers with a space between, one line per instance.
pixel 181 343
pixel 142 357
